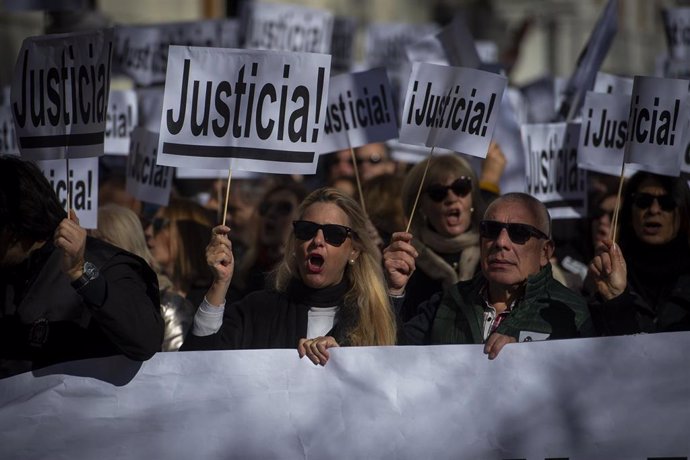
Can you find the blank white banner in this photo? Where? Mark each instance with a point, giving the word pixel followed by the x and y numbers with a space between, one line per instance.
pixel 604 398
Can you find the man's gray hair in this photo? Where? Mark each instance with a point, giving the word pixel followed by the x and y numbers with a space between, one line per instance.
pixel 536 207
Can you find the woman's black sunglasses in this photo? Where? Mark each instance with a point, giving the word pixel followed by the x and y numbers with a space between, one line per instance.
pixel 518 233
pixel 460 187
pixel 645 200
pixel 334 234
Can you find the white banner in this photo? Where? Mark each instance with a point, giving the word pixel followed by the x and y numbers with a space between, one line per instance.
pixel 146 180
pixel 359 111
pixel 141 52
pixel 82 189
pixel 656 124
pixel 283 27
pixel 553 176
pixel 677 27
pixel 255 110
pixel 60 94
pixel 608 83
pixel 121 119
pixel 603 133
pixel 583 399
pixel 8 138
pixel 451 107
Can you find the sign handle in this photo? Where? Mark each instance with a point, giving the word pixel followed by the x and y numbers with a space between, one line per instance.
pixel 616 210
pixel 227 195
pixel 359 183
pixel 69 194
pixel 419 191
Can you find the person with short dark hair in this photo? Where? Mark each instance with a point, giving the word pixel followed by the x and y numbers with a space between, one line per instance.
pixel 65 296
pixel 513 299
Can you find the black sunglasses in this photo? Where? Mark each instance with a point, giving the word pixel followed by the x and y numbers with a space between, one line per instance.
pixel 282 208
pixel 334 234
pixel 159 223
pixel 460 187
pixel 518 233
pixel 645 200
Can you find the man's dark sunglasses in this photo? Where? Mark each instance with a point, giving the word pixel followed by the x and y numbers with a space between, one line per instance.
pixel 334 234
pixel 460 187
pixel 518 233
pixel 282 208
pixel 645 200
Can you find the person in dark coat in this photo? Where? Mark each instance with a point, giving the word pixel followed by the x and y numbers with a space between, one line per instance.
pixel 643 285
pixel 63 295
pixel 329 288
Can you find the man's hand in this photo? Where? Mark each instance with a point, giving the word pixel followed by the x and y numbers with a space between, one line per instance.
pixel 399 262
pixel 608 270
pixel 495 344
pixel 219 255
pixel 70 238
pixel 316 349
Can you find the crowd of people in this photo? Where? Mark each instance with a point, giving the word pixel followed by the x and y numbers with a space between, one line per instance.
pixel 326 261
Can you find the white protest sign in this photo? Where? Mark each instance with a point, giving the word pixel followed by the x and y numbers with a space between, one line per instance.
pixel 451 107
pixel 608 83
pixel 433 402
pixel 256 110
pixel 146 180
pixel 8 138
pixel 552 173
pixel 656 124
pixel 589 61
pixel 342 44
pixel 83 186
pixel 603 133
pixel 677 27
pixel 60 94
pixel 283 27
pixel 359 111
pixel 141 52
pixel 121 118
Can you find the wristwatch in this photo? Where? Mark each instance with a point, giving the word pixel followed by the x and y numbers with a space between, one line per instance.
pixel 89 273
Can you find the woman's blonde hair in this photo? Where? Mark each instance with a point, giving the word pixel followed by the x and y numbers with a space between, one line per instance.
pixel 121 227
pixel 441 167
pixel 375 322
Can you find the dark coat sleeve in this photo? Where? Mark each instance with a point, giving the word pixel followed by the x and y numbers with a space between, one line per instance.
pixel 417 331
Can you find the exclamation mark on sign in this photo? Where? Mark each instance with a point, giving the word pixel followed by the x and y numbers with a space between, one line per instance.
pixel 488 113
pixel 319 97
pixel 675 120
pixel 384 99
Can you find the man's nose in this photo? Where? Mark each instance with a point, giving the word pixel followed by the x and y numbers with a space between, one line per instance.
pixel 503 239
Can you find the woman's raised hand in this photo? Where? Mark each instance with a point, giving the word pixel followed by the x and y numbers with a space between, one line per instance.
pixel 219 255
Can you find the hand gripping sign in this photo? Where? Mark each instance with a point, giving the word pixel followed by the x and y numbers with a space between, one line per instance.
pixel 60 94
pixel 451 107
pixel 255 110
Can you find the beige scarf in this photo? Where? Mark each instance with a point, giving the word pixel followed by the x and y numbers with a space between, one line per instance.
pixel 429 244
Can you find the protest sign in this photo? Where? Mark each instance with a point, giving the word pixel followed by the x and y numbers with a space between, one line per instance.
pixel 451 107
pixel 359 111
pixel 81 189
pixel 589 62
pixel 8 138
pixel 656 124
pixel 677 28
pixel 141 52
pixel 146 180
pixel 343 44
pixel 604 131
pixel 283 27
pixel 149 107
pixel 445 402
pixel 121 118
pixel 60 94
pixel 553 176
pixel 207 121
pixel 608 83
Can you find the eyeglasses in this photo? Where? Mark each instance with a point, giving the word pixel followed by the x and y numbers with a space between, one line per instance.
pixel 372 160
pixel 645 200
pixel 159 223
pixel 334 234
pixel 460 187
pixel 518 233
pixel 282 208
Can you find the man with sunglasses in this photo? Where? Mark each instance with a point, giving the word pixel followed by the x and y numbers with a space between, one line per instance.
pixel 513 299
pixel 64 295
